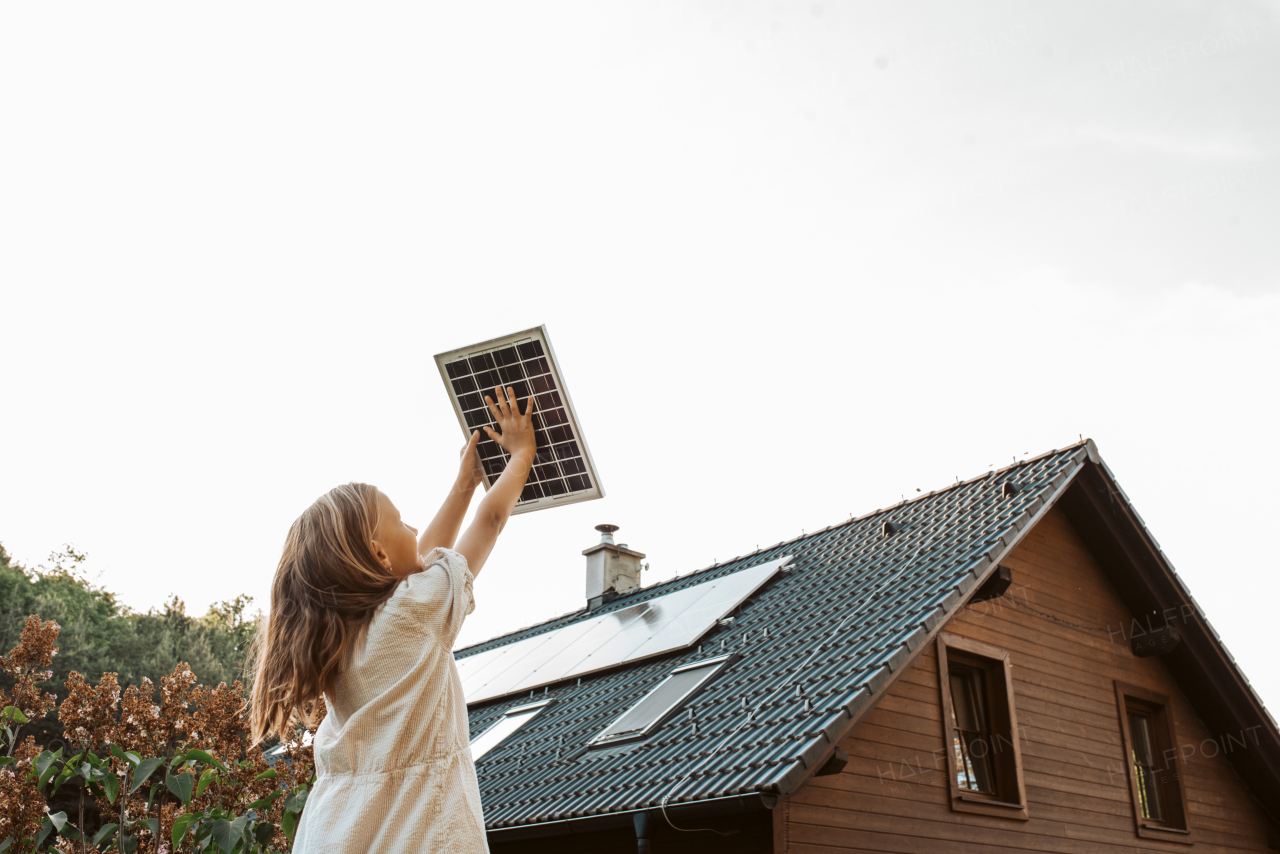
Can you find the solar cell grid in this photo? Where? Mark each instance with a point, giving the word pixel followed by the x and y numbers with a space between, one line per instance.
pixel 560 467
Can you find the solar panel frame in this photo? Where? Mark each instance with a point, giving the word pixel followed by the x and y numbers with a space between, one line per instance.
pixel 564 462
pixel 573 650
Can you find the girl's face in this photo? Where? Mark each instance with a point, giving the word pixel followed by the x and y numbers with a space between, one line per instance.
pixel 395 542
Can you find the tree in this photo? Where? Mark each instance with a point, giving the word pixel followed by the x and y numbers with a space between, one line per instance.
pixel 99 634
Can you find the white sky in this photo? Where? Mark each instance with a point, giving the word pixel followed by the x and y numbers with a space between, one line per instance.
pixel 796 260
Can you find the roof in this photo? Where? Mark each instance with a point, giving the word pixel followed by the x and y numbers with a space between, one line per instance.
pixel 818 646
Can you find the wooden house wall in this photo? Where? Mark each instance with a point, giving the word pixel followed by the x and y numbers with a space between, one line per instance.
pixel 893 794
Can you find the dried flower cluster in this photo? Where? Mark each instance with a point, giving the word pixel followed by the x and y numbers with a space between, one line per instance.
pixel 21 804
pixel 28 664
pixel 189 746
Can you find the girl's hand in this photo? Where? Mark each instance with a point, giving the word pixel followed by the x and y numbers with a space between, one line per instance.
pixel 517 437
pixel 470 473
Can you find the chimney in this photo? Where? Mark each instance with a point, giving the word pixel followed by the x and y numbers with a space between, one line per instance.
pixel 612 569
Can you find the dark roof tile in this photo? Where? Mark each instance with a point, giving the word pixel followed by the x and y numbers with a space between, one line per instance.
pixel 816 645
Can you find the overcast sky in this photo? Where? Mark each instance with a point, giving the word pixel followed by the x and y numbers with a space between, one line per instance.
pixel 796 260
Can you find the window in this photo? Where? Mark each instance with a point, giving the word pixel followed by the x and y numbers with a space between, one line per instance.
pixel 1151 762
pixel 506 725
pixel 972 730
pixel 645 716
pixel 984 757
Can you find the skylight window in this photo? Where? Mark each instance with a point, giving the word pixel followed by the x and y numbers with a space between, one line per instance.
pixel 645 716
pixel 513 720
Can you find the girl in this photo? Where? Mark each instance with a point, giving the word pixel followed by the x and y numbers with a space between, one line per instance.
pixel 365 618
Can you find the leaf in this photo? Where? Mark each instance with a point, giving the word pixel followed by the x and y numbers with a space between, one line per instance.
pixel 180 785
pixel 263 803
pixel 269 774
pixel 111 784
pixel 201 756
pixel 63 776
pixel 263 833
pixel 105 833
pixel 46 827
pixel 13 713
pixel 296 800
pixel 180 826
pixel 46 767
pixel 127 755
pixel 288 824
pixel 206 778
pixel 59 820
pixel 145 769
pixel 4 845
pixel 226 833
pixel 5 760
pixel 128 844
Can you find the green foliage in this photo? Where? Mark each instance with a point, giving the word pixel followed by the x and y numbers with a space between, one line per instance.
pixel 190 778
pixel 99 634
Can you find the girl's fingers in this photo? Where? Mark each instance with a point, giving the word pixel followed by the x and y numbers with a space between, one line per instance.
pixel 501 394
pixel 512 408
pixel 528 407
pixel 472 441
pixel 493 408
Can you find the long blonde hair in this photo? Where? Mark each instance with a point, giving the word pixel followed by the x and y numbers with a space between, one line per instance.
pixel 326 589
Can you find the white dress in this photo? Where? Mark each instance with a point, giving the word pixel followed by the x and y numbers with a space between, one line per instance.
pixel 393 764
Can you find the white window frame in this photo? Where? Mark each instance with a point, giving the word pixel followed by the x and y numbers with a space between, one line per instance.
pixel 608 736
pixel 511 722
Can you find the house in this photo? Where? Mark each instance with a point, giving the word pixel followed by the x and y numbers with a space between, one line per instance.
pixel 1008 664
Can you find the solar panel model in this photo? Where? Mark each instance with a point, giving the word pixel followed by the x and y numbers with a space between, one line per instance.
pixel 563 472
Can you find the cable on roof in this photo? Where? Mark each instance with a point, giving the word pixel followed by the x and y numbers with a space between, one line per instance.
pixel 1049 616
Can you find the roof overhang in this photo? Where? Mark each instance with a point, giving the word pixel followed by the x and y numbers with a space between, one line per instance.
pixel 1201 664
pixel 686 811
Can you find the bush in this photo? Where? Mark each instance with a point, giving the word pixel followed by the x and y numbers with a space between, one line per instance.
pixel 139 773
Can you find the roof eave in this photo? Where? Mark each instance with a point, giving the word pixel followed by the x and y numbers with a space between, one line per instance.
pixel 685 811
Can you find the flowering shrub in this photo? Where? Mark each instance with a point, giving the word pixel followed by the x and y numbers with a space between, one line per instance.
pixel 160 774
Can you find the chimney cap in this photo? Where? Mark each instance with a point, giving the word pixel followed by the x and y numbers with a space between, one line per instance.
pixel 606 528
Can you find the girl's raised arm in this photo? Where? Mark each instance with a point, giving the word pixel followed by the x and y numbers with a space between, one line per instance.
pixel 518 441
pixel 443 530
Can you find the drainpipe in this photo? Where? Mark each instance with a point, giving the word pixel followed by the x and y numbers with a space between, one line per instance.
pixel 644 833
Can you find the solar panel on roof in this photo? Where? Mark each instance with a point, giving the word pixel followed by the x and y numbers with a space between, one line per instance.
pixel 659 625
pixel 563 471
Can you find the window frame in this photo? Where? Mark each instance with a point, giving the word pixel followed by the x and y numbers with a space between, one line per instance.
pixel 1010 797
pixel 1132 699
pixel 715 665
pixel 525 711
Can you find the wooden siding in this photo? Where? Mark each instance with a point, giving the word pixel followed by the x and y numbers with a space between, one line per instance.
pixel 893 794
